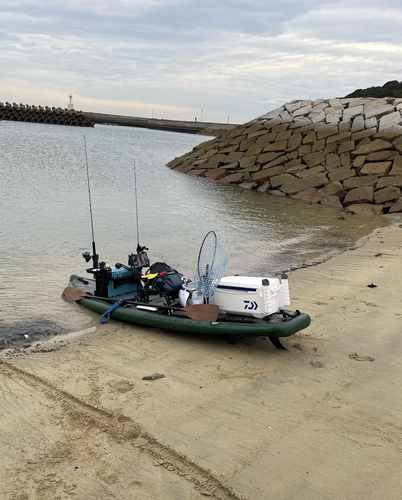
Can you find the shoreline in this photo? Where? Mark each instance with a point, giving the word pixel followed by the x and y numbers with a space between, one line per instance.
pixel 22 342
pixel 227 421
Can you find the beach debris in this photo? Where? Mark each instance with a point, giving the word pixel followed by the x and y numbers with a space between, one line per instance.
pixel 359 357
pixel 372 285
pixel 377 254
pixel 154 376
pixel 317 364
pixel 297 345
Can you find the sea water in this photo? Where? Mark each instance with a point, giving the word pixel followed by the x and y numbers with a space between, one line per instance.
pixel 45 219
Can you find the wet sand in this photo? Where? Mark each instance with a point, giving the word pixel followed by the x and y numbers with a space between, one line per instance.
pixel 321 421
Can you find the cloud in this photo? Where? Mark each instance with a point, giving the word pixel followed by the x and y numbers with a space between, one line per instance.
pixel 228 58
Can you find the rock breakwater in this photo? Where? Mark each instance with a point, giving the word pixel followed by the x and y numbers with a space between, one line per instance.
pixel 338 152
pixel 39 114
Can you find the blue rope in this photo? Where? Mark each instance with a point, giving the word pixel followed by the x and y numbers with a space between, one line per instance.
pixel 109 312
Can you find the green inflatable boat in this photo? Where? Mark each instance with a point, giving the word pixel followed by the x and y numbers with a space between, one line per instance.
pixel 158 296
pixel 204 319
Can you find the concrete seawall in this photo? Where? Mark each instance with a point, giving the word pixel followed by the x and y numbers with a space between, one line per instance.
pixel 155 123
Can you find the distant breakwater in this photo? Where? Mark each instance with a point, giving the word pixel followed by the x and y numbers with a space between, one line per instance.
pixel 59 116
pixel 38 114
pixel 189 127
pixel 338 152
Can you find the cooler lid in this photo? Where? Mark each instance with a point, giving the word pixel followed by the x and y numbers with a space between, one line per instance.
pixel 244 283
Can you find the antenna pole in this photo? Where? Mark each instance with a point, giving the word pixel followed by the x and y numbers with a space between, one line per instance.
pixel 95 256
pixel 136 205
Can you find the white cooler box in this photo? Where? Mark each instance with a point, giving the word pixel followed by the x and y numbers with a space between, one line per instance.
pixel 250 296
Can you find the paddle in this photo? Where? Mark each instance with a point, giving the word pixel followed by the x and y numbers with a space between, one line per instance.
pixel 200 312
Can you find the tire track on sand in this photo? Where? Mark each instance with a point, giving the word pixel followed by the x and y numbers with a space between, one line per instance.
pixel 125 429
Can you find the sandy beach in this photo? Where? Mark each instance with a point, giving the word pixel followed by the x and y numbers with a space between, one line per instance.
pixel 246 421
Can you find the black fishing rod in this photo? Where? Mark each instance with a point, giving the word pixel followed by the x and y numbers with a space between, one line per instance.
pixel 136 206
pixel 87 256
pixel 139 260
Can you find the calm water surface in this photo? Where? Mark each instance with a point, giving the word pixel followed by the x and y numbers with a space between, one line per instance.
pixel 45 223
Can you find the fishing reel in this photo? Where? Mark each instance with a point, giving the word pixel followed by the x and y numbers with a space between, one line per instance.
pixel 87 256
pixel 95 259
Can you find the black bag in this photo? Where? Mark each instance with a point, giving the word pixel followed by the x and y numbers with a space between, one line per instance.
pixel 158 267
pixel 169 283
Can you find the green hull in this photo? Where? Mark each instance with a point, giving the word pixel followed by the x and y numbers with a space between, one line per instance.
pixel 179 324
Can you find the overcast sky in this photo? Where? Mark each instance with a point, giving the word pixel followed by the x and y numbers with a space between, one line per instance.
pixel 174 58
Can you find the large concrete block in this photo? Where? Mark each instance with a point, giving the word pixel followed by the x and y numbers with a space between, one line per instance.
pixel 385 155
pixel 307 172
pixel 332 201
pixel 303 122
pixel 284 136
pixel 234 157
pixel 390 193
pixel 395 181
pixel 332 161
pixel 344 137
pixel 353 111
pixel 356 182
pixel 311 195
pixel 295 139
pixel 233 178
pixel 268 157
pixel 342 173
pixel 264 175
pixel 397 207
pixel 254 150
pixel 278 180
pixel 273 114
pixel 376 145
pixel 379 168
pixel 398 144
pixel 265 139
pixel 297 185
pixel 247 161
pixel 357 136
pixel 359 195
pixel 378 111
pixel 276 146
pixel 313 159
pixel 358 124
pixel 333 189
pixel 367 208
pixel 216 174
pixel 304 111
pixel 390 121
pixel 293 106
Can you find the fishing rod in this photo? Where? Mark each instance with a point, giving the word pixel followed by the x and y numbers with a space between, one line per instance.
pixel 87 256
pixel 139 260
pixel 136 205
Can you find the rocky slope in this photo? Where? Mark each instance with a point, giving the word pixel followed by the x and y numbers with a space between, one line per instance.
pixel 339 152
